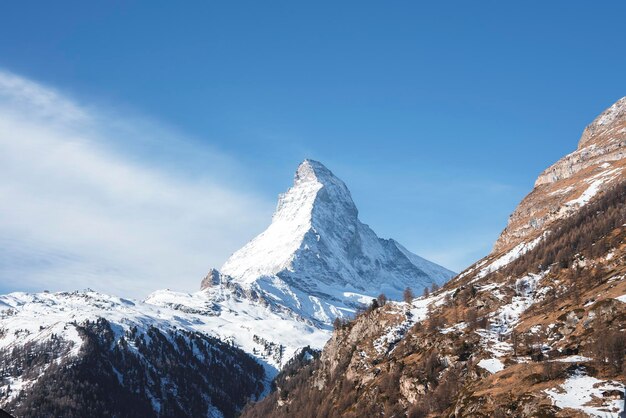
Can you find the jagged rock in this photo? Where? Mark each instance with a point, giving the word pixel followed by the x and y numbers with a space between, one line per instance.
pixel 213 278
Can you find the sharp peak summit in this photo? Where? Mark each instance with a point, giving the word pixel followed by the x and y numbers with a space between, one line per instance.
pixel 314 186
pixel 316 247
pixel 608 119
pixel 311 171
pixel 316 168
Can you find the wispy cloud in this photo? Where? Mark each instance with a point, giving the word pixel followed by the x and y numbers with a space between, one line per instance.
pixel 79 207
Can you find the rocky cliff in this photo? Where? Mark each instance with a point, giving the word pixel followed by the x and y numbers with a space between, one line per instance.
pixel 598 163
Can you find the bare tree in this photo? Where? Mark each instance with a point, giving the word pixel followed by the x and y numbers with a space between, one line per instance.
pixel 471 318
pixel 514 342
pixel 374 305
pixel 408 296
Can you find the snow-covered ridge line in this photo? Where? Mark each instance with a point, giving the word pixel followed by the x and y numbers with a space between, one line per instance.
pixel 26 317
pixel 149 350
pixel 489 265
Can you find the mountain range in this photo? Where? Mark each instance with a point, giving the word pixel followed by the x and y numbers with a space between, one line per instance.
pixel 275 297
pixel 294 324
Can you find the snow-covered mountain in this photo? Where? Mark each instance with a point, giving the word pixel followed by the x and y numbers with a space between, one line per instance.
pixel 319 259
pixel 89 354
pixel 314 263
pixel 275 296
pixel 232 343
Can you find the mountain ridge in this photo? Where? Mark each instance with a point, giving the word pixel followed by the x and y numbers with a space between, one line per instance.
pixel 598 162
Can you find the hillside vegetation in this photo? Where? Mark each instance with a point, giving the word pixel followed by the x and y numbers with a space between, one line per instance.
pixel 517 341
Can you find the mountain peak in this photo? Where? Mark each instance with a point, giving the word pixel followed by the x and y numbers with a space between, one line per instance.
pixel 612 119
pixel 319 259
pixel 311 170
pixel 315 187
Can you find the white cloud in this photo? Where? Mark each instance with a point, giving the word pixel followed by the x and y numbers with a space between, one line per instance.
pixel 79 209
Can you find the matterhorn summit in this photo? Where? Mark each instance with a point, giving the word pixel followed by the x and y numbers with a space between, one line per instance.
pixel 319 259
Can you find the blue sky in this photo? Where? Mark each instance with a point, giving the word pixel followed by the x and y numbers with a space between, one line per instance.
pixel 438 116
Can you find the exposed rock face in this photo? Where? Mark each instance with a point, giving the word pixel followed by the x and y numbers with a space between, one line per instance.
pixel 319 260
pixel 597 164
pixel 213 278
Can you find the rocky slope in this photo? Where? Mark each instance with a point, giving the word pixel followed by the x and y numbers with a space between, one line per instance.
pixel 537 328
pixel 571 182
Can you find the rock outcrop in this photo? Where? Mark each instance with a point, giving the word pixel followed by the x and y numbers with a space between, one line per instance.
pixel 597 164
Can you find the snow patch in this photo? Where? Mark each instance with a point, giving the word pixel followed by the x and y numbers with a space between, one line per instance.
pixel 509 257
pixel 579 390
pixel 573 359
pixel 416 312
pixel 507 316
pixel 492 365
pixel 595 185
